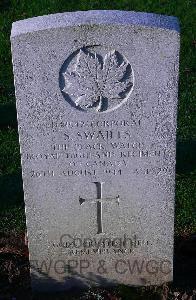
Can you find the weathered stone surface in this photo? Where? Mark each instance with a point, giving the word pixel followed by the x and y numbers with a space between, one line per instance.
pixel 96 99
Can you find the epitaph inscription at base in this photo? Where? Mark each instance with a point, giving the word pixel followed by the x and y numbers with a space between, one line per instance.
pixel 97 102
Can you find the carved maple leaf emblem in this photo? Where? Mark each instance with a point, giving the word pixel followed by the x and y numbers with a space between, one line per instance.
pixel 93 81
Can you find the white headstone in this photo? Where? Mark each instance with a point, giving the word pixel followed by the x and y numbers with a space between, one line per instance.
pixel 97 102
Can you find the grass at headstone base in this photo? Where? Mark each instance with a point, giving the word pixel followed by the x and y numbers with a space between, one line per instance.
pixel 12 217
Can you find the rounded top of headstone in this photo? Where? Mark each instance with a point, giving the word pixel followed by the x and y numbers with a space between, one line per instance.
pixel 92 17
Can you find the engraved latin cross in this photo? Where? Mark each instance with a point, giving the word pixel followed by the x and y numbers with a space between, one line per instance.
pixel 99 200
